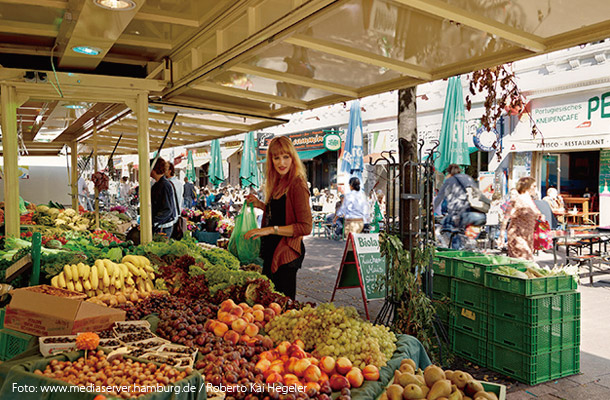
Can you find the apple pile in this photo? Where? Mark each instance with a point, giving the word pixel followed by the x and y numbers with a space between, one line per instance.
pixel 289 364
pixel 241 323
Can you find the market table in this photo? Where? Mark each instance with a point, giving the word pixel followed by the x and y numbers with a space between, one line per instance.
pixel 20 369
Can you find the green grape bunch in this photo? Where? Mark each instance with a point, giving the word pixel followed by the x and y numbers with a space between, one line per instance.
pixel 336 332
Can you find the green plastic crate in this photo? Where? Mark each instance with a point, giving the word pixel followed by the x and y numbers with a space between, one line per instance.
pixel 534 339
pixel 441 286
pixel 2 312
pixel 547 309
pixel 530 287
pixel 536 368
pixel 469 295
pixel 468 320
pixel 443 313
pixel 13 343
pixel 444 260
pixel 469 346
pixel 473 268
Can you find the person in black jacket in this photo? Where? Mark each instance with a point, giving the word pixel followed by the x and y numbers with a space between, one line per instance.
pixel 163 200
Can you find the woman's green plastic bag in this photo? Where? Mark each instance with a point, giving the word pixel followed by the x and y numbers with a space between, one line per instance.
pixel 246 250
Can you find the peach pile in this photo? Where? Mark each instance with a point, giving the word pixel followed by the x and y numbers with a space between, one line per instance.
pixel 241 323
pixel 289 364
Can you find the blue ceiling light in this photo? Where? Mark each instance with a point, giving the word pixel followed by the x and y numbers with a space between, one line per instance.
pixel 87 50
pixel 75 106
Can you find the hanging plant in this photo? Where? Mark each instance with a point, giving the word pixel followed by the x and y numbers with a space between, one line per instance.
pixel 502 95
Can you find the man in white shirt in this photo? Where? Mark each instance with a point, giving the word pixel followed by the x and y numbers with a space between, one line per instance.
pixel 178 186
pixel 355 208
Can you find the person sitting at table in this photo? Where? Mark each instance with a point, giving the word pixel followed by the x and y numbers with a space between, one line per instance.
pixel 555 201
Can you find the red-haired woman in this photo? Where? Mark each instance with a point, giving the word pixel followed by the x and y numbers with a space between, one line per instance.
pixel 286 218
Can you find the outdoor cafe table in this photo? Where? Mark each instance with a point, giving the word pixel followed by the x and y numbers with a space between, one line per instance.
pixel 579 240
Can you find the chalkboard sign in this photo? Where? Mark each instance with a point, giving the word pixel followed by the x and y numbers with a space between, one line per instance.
pixel 362 267
pixel 604 169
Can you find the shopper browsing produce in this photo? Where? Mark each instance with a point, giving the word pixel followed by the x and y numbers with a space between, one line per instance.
pixel 163 203
pixel 286 218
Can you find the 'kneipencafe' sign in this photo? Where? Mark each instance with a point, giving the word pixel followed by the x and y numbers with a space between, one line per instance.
pixel 362 266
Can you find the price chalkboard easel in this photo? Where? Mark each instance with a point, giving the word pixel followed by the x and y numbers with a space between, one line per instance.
pixel 362 267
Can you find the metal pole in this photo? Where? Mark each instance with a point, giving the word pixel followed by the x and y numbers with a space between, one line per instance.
pixel 95 167
pixel 74 173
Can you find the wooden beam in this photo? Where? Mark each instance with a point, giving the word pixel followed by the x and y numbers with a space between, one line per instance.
pixel 359 55
pixel 142 41
pixel 198 104
pixel 453 13
pixel 199 121
pixel 28 28
pixel 248 94
pixel 10 149
pixel 144 170
pixel 59 4
pixel 163 16
pixel 74 174
pixel 296 79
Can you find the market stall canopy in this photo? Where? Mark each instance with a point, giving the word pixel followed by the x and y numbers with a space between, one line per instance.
pixel 235 66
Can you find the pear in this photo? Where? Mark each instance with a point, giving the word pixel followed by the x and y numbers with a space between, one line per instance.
pixel 405 367
pixel 407 379
pixel 410 362
pixel 412 392
pixel 441 388
pixel 455 395
pixel 432 373
pixel 394 392
pixel 384 396
pixel 482 395
pixel 397 375
pixel 449 374
pixel 473 387
pixel 459 379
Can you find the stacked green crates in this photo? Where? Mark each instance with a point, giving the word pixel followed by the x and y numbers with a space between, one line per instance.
pixel 534 327
pixel 13 343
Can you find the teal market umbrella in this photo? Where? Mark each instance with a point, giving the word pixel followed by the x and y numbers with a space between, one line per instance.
pixel 216 173
pixel 190 167
pixel 453 147
pixel 248 173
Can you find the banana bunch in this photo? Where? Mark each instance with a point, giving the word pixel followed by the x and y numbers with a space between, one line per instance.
pixel 105 276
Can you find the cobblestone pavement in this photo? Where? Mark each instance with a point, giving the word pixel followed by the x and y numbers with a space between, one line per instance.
pixel 317 278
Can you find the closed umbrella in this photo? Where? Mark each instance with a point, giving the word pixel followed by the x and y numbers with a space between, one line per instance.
pixel 190 167
pixel 352 159
pixel 216 172
pixel 453 147
pixel 248 173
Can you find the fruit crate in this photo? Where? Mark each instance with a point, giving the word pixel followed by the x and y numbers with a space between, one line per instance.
pixel 469 295
pixel 441 286
pixel 530 287
pixel 2 312
pixel 496 388
pixel 473 268
pixel 13 343
pixel 536 368
pixel 468 345
pixel 443 260
pixel 547 309
pixel 474 322
pixel 534 339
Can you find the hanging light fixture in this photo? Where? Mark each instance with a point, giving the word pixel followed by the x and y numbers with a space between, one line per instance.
pixel 116 5
pixel 87 50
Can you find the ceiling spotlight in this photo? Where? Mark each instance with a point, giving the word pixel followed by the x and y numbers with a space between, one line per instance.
pixel 87 50
pixel 116 5
pixel 75 106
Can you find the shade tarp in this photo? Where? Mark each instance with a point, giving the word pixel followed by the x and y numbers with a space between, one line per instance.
pixel 216 173
pixel 453 148
pixel 307 155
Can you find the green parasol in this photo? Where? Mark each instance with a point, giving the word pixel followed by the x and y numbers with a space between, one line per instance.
pixel 248 173
pixel 453 147
pixel 216 172
pixel 190 167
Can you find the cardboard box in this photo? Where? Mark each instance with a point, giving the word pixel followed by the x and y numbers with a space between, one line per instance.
pixel 42 314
